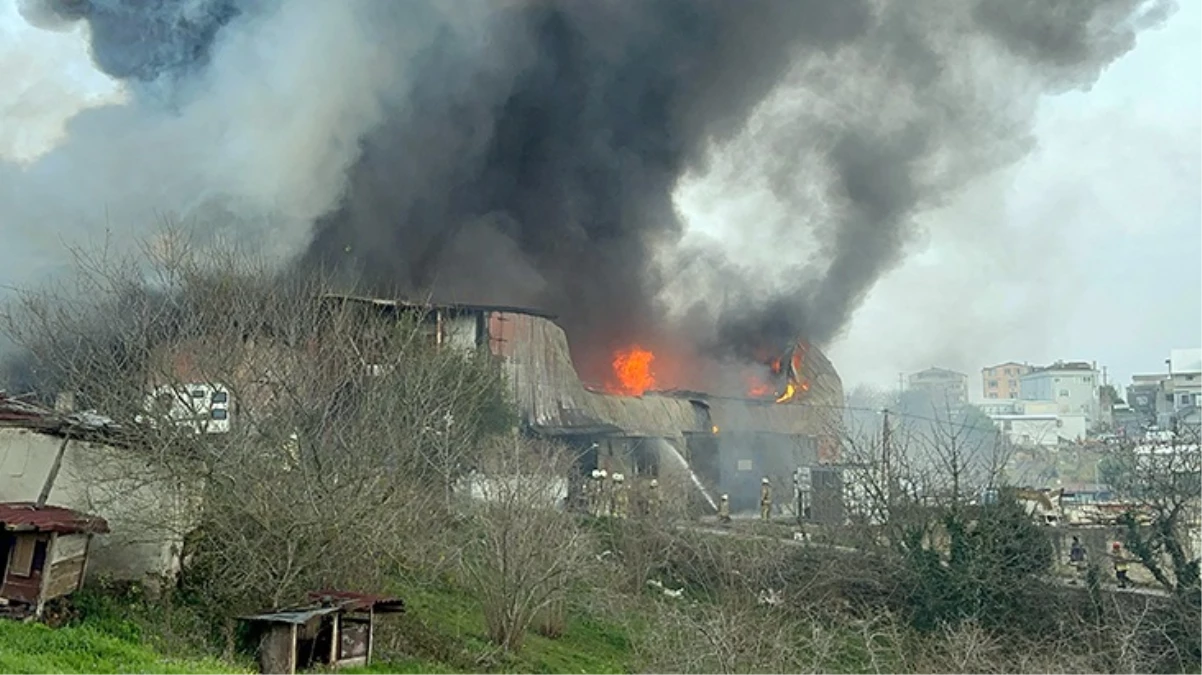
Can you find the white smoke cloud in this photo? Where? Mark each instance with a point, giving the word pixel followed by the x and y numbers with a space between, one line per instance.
pixel 254 147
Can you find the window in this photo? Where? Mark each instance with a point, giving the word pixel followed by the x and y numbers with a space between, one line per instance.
pixel 1187 399
pixel 1012 384
pixel 1063 393
pixel 198 393
pixel 22 560
pixel 992 395
pixel 220 397
pixel 993 384
pixel 220 413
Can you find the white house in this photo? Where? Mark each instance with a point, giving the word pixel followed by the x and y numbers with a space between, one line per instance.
pixel 1032 423
pixel 1185 377
pixel 1072 386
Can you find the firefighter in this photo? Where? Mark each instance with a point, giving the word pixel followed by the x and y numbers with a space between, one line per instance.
pixel 724 508
pixel 620 500
pixel 653 499
pixel 1120 565
pixel 592 490
pixel 602 493
pixel 765 499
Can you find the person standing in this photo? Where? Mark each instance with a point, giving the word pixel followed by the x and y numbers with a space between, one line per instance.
pixel 653 499
pixel 1120 565
pixel 621 500
pixel 1076 555
pixel 765 499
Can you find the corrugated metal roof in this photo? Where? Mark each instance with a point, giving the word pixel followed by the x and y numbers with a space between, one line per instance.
pixel 354 602
pixel 424 306
pixel 293 616
pixel 26 517
pixel 552 400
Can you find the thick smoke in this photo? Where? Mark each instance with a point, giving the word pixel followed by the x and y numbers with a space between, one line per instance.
pixel 528 152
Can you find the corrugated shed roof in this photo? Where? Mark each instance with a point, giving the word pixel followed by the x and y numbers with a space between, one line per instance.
pixel 25 517
pixel 354 602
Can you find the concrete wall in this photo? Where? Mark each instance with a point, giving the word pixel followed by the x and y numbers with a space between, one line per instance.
pixel 148 514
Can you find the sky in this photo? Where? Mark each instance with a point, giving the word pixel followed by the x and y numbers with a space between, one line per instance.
pixel 1088 249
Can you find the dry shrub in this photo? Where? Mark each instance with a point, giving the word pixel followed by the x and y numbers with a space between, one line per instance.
pixel 524 552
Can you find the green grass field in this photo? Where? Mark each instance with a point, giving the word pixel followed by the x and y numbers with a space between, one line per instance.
pixel 442 632
pixel 88 648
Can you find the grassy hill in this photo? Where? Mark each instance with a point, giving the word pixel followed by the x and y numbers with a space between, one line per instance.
pixel 90 648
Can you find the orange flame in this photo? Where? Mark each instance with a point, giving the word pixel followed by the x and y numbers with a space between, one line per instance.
pixel 633 370
pixel 757 388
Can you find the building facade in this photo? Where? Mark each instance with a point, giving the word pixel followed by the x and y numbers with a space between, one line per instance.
pixel 1072 386
pixel 1185 378
pixel 942 385
pixel 1034 423
pixel 1003 381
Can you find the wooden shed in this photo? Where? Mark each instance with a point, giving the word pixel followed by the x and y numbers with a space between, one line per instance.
pixel 336 630
pixel 43 554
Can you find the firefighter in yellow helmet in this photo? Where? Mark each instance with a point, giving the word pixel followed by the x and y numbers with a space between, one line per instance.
pixel 765 499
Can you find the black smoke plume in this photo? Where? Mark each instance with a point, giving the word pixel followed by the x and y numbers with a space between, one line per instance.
pixel 531 153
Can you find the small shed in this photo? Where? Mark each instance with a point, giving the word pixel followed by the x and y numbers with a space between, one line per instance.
pixel 43 554
pixel 335 630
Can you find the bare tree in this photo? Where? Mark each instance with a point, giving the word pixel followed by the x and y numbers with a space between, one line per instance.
pixel 524 550
pixel 334 420
pixel 1163 482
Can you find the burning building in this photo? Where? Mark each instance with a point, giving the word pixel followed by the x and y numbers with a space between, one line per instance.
pixel 638 424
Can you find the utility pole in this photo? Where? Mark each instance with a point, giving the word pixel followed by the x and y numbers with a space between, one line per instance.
pixel 885 459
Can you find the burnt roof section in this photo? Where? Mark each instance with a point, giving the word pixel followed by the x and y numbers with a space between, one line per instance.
pixel 15 412
pixel 26 517
pixel 401 305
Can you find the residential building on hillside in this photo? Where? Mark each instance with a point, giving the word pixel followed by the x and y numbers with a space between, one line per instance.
pixel 942 385
pixel 1148 396
pixel 1072 385
pixel 1034 423
pixel 1185 373
pixel 1004 380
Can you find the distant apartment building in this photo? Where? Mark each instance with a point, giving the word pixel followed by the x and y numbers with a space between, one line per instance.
pixel 1073 386
pixel 1003 381
pixel 1149 397
pixel 1185 378
pixel 942 385
pixel 1165 399
pixel 1034 423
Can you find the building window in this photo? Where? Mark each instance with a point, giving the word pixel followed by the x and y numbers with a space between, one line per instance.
pixel 993 384
pixel 1063 393
pixel 22 560
pixel 1012 384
